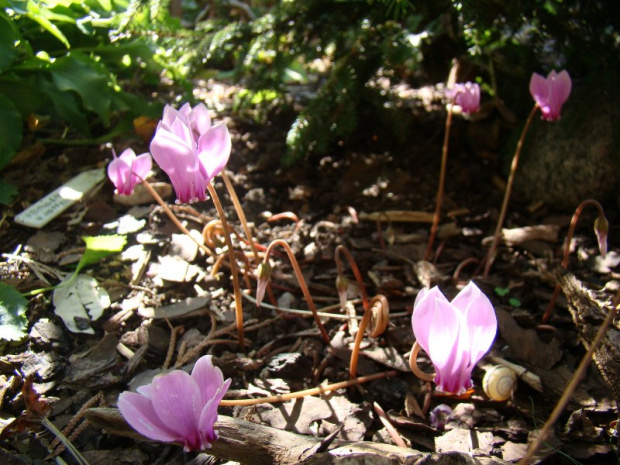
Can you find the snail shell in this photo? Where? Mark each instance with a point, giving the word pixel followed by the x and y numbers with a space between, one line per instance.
pixel 499 382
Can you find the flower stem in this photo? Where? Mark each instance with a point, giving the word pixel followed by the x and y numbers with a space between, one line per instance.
pixel 173 217
pixel 440 188
pixel 307 392
pixel 508 191
pixel 356 271
pixel 240 214
pixel 302 282
pixel 233 264
pixel 569 238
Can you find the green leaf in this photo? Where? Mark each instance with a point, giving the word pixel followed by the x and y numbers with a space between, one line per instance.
pixel 67 106
pixel 514 302
pixel 35 13
pixel 98 247
pixel 8 192
pixel 13 322
pixel 10 131
pixel 502 291
pixel 8 36
pixel 82 75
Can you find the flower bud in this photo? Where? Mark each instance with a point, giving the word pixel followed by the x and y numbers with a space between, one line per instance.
pixel 263 274
pixel 342 286
pixel 601 229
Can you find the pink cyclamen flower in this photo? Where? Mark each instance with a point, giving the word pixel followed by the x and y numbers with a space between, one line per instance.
pixel 125 171
pixel 550 93
pixel 178 407
pixel 467 96
pixel 190 149
pixel 455 335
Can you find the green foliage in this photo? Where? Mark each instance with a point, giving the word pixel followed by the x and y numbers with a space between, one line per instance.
pixel 342 47
pixel 579 34
pixel 13 322
pixel 337 48
pixel 68 61
pixel 8 192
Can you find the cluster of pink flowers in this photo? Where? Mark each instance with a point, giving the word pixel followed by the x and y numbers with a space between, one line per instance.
pixel 179 407
pixel 190 149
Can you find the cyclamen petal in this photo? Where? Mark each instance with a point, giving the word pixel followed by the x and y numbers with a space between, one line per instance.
pixel 214 149
pixel 138 411
pixel 178 407
pixel 550 93
pixel 207 376
pixel 190 150
pixel 455 335
pixel 177 157
pixel 176 399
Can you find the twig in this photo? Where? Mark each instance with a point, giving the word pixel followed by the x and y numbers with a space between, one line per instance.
pixel 307 392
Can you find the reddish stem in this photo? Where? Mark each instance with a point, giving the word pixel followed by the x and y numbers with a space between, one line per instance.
pixel 440 188
pixel 569 238
pixel 511 177
pixel 302 282
pixel 233 264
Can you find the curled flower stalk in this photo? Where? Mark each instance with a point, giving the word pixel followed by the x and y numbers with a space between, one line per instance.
pixel 376 312
pixel 178 407
pixel 601 228
pixel 455 335
pixel 376 317
pixel 549 95
pixel 300 279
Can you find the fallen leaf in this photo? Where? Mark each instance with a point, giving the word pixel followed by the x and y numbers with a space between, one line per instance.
pixel 525 344
pixel 80 301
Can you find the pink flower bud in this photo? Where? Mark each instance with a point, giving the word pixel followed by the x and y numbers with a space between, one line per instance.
pixel 550 93
pixel 263 274
pixel 455 335
pixel 178 407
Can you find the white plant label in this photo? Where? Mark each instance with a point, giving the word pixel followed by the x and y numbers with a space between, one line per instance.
pixel 53 204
